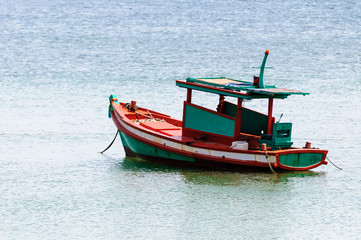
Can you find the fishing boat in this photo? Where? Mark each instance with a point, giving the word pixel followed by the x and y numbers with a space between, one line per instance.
pixel 228 135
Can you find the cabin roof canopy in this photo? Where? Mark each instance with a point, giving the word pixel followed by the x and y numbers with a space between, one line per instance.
pixel 236 88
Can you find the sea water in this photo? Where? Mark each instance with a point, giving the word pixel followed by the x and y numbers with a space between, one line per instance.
pixel 60 61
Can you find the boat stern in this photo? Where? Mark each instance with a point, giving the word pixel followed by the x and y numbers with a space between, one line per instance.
pixel 302 159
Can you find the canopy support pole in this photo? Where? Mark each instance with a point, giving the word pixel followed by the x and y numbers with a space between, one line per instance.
pixel 237 128
pixel 220 103
pixel 189 95
pixel 270 120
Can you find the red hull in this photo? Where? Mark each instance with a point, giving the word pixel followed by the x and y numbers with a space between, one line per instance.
pixel 167 136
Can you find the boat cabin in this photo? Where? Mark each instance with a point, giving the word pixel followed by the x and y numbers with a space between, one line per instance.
pixel 230 122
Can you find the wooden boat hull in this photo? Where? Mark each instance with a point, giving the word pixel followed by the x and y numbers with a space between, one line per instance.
pixel 149 144
pixel 229 134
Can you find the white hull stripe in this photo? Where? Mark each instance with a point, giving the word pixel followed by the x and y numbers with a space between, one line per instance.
pixel 189 149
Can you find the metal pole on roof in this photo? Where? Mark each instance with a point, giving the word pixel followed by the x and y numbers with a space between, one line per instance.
pixel 261 84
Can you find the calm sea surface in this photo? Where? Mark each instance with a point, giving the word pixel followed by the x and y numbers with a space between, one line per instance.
pixel 60 61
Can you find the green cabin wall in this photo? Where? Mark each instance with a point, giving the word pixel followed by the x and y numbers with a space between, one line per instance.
pixel 252 122
pixel 205 120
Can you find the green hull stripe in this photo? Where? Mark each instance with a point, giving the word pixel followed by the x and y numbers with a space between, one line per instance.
pixel 124 141
pixel 144 149
pixel 300 159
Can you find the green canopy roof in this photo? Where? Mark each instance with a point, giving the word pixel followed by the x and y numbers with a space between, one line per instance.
pixel 239 89
pixel 236 88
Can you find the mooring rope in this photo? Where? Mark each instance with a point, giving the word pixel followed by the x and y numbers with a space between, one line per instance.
pixel 150 114
pixel 333 163
pixel 150 117
pixel 110 143
pixel 269 163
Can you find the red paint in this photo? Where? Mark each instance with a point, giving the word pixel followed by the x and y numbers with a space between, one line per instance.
pixel 270 122
pixel 194 155
pixel 189 95
pixel 157 126
pixel 255 81
pixel 237 128
pixel 121 115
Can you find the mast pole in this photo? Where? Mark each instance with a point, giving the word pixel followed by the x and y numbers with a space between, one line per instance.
pixel 261 84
